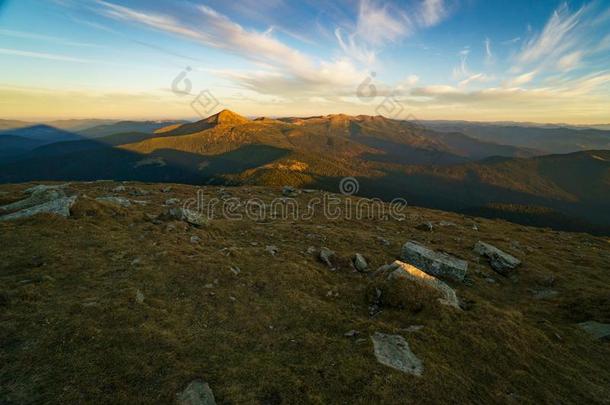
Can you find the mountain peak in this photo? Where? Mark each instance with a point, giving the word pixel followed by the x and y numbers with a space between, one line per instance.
pixel 226 117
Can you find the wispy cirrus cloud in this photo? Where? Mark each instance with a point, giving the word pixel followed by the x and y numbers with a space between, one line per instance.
pixel 380 23
pixel 287 69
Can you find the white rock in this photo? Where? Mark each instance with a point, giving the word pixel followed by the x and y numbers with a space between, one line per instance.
pixel 434 263
pixel 60 206
pixel 393 351
pixel 37 196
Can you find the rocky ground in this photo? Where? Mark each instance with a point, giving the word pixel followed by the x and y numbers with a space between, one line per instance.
pixel 109 294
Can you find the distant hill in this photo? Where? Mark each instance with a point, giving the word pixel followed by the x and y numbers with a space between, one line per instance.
pixel 546 139
pixel 126 126
pixel 390 158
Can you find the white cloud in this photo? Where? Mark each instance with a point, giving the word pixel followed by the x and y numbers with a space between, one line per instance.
pixel 521 79
pixel 554 37
pixel 287 70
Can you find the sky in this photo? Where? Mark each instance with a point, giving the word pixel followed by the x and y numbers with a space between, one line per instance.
pixel 477 60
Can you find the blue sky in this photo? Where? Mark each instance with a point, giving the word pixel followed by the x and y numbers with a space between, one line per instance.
pixel 483 60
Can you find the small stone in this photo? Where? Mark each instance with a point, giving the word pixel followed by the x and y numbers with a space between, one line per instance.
pixel 413 328
pixel 119 189
pixel 311 250
pixel 446 224
pixel 195 239
pixel 272 250
pixel 326 256
pixel 351 333
pixel 139 297
pixel 360 263
pixel 166 189
pixel 172 201
pixel 197 392
pixel 235 270
pixel 383 241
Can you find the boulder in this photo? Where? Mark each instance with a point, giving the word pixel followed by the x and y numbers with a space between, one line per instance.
pixel 500 261
pixel 360 263
pixel 399 270
pixel 598 330
pixel 393 351
pixel 38 195
pixel 434 263
pixel 197 392
pixel 60 206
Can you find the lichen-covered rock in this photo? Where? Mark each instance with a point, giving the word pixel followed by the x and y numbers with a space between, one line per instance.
pixel 393 351
pixel 500 261
pixel 60 206
pixel 197 392
pixel 434 263
pixel 399 270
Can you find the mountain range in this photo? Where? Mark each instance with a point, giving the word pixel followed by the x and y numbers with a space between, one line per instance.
pixel 558 177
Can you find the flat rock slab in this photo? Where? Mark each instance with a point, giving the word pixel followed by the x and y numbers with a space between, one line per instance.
pixel 598 330
pixel 434 263
pixel 399 270
pixel 393 351
pixel 36 197
pixel 60 206
pixel 500 261
pixel 197 392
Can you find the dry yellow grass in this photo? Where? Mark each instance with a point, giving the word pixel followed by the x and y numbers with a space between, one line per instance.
pixel 73 331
